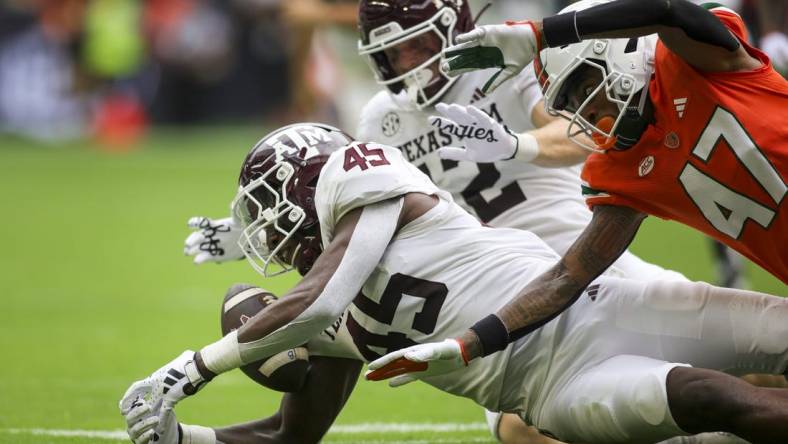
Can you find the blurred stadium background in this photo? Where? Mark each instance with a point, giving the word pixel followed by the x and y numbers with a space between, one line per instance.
pixel 120 119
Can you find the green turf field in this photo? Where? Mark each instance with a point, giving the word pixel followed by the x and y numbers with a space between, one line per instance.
pixel 96 292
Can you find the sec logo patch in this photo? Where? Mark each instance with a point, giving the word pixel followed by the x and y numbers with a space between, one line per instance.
pixel 390 124
pixel 646 165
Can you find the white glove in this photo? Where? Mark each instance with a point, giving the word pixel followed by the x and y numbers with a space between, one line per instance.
pixel 511 47
pixel 166 386
pixel 144 427
pixel 213 240
pixel 416 362
pixel 775 45
pixel 483 138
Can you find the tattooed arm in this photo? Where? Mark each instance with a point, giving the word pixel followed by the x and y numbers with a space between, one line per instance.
pixel 605 238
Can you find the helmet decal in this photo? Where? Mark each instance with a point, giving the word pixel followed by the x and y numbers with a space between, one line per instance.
pixel 275 202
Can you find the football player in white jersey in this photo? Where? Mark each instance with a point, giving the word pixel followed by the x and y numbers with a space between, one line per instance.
pixel 395 262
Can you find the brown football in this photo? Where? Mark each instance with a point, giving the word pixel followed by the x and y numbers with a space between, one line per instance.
pixel 283 372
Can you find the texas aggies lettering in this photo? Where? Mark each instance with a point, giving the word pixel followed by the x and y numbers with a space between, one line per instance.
pixel 716 157
pixel 447 135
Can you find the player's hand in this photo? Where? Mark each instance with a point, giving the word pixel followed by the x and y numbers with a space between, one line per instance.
pixel 213 240
pixel 419 361
pixel 510 47
pixel 485 140
pixel 166 386
pixel 144 427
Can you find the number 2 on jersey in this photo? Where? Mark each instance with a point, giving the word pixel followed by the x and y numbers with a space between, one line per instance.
pixel 725 209
pixel 361 156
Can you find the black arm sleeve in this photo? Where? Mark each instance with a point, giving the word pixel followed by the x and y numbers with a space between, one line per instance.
pixel 697 22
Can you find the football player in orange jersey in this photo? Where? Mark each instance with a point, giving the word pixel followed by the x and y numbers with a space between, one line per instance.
pixel 687 123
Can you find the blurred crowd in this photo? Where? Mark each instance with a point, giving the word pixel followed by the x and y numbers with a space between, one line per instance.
pixel 110 68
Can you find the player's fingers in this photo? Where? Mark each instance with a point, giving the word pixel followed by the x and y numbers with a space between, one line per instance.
pixel 446 66
pixel 474 35
pixel 192 243
pixel 145 438
pixel 202 258
pixel 459 49
pixel 196 221
pixel 136 413
pixel 192 250
pixel 441 109
pixel 458 114
pixel 421 354
pixel 140 427
pixel 384 360
pixel 464 62
pixel 441 122
pixel 477 114
pixel 395 368
pixel 138 390
pixel 453 153
pixel 401 380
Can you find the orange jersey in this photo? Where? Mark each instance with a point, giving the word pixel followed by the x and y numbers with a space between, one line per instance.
pixel 715 159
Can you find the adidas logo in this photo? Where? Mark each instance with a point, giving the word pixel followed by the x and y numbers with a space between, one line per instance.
pixel 680 104
pixel 169 381
pixel 592 291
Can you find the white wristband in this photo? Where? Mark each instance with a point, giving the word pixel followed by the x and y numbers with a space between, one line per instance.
pixel 194 434
pixel 223 355
pixel 527 147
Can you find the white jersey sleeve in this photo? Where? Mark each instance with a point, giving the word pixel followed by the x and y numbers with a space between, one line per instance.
pixel 527 89
pixel 361 174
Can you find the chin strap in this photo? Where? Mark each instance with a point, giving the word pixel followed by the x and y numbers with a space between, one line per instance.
pixel 634 122
pixel 311 247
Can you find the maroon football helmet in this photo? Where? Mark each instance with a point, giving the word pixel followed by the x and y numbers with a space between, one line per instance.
pixel 275 203
pixel 390 24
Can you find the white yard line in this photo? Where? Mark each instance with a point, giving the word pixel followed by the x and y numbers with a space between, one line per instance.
pixel 405 427
pixel 368 428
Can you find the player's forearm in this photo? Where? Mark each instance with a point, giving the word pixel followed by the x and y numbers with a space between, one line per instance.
pixel 635 18
pixel 318 300
pixel 260 431
pixel 555 148
pixel 601 243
